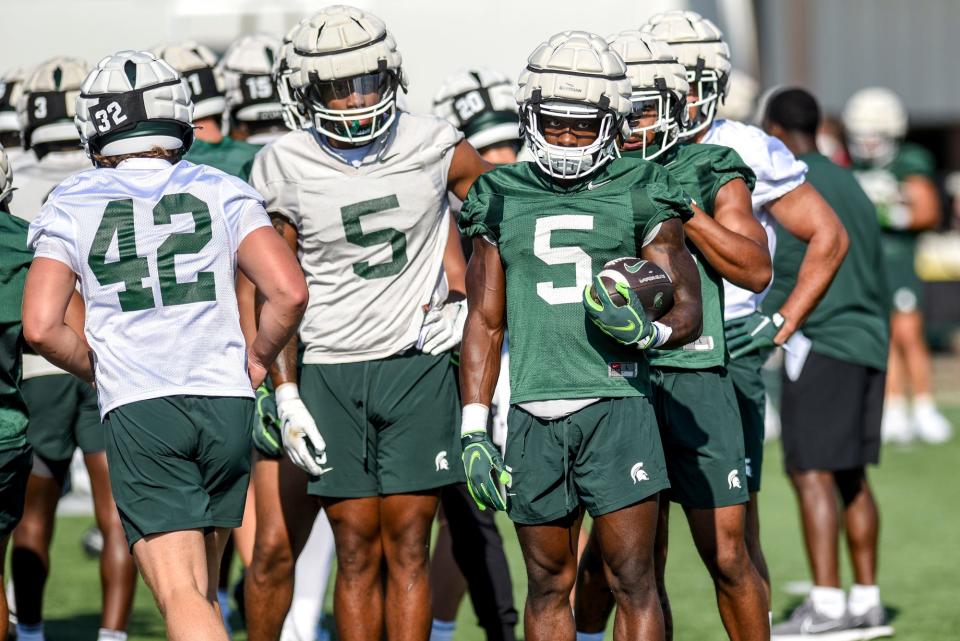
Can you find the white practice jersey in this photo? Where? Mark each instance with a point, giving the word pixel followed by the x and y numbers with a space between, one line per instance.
pixel 778 173
pixel 155 248
pixel 34 180
pixel 373 226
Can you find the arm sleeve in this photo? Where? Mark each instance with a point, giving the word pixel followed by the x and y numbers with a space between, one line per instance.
pixel 667 198
pixel 244 210
pixel 777 170
pixel 445 143
pixel 277 190
pixel 725 167
pixel 51 235
pixel 482 212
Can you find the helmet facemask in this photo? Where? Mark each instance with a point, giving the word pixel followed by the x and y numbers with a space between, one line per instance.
pixel 668 110
pixel 709 86
pixel 873 149
pixel 354 110
pixel 569 163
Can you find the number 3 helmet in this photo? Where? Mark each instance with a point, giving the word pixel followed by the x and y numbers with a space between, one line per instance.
pixel 659 86
pixel 131 103
pixel 699 46
pixel 198 66
pixel 574 76
pixel 345 55
pixel 480 103
pixel 6 177
pixel 875 121
pixel 247 69
pixel 46 104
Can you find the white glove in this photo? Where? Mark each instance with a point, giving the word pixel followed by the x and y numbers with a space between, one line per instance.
pixel 301 438
pixel 442 328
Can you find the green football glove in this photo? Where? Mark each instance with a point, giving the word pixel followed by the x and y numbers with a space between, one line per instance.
pixel 266 427
pixel 484 467
pixel 627 323
pixel 752 333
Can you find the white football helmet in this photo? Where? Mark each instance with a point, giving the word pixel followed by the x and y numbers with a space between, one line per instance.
pixel 574 75
pixel 11 85
pixel 740 101
pixel 659 84
pixel 875 121
pixel 343 53
pixel 247 69
pixel 699 46
pixel 198 66
pixel 480 103
pixel 6 177
pixel 294 115
pixel 46 105
pixel 131 103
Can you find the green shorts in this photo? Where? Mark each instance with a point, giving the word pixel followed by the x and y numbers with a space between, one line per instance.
pixel 904 287
pixel 179 463
pixel 391 426
pixel 702 438
pixel 63 416
pixel 606 457
pixel 747 377
pixel 15 465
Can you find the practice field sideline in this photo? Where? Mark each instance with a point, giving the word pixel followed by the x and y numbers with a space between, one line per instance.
pixel 918 490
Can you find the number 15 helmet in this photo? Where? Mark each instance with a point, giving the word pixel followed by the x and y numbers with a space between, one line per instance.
pixel 346 56
pixel 131 103
pixel 247 69
pixel 574 76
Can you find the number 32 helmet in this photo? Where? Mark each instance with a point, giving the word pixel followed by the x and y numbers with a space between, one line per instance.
pixel 574 75
pixel 131 103
pixel 345 54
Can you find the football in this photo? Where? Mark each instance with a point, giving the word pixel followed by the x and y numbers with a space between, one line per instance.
pixel 651 284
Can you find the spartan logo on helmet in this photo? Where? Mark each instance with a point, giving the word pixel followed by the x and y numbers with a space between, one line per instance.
pixel 699 46
pixel 480 103
pixel 131 103
pixel 659 84
pixel 574 80
pixel 46 104
pixel 637 473
pixel 875 121
pixel 345 71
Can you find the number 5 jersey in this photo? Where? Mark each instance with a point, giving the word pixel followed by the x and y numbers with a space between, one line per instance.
pixel 154 246
pixel 372 224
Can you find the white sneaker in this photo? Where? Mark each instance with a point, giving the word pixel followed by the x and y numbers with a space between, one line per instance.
pixel 931 426
pixel 896 426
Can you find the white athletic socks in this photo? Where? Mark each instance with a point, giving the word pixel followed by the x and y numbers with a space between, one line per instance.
pixel 111 635
pixel 30 632
pixel 829 602
pixel 442 630
pixel 589 636
pixel 863 598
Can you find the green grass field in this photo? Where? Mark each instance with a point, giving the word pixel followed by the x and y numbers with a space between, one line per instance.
pixel 917 487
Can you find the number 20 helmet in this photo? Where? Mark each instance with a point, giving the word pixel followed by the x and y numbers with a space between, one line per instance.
pixel 131 103
pixel 342 53
pixel 658 82
pixel 480 103
pixel 574 76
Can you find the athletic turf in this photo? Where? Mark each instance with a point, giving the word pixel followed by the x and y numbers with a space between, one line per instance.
pixel 918 491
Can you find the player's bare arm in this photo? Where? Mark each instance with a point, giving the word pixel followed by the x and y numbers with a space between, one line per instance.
pixel 733 240
pixel 486 321
pixel 805 214
pixel 467 164
pixel 924 203
pixel 268 262
pixel 47 295
pixel 454 264
pixel 669 252
pixel 284 368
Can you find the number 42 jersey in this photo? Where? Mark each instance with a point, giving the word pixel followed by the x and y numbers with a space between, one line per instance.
pixel 155 248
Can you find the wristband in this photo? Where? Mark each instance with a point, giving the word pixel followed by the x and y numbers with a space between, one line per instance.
pixel 286 392
pixel 474 418
pixel 663 333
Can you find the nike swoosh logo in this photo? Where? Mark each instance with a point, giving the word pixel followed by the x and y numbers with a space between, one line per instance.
pixel 813 628
pixel 634 268
pixel 625 328
pixel 591 185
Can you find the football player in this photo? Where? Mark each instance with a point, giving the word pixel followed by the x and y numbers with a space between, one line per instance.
pixel 383 314
pixel 693 395
pixel 253 110
pixel 581 431
pixel 11 84
pixel 178 436
pixel 898 178
pixel 780 194
pixel 62 408
pixel 198 65
pixel 16 457
pixel 833 395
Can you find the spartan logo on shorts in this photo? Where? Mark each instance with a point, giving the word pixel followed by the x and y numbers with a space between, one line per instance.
pixel 637 473
pixel 441 461
pixel 733 480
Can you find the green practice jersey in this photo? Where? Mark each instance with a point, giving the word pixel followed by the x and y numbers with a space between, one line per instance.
pixel 850 323
pixel 552 240
pixel 229 156
pixel 14 261
pixel 702 170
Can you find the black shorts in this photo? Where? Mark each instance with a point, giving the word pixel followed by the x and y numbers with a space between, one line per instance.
pixel 830 415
